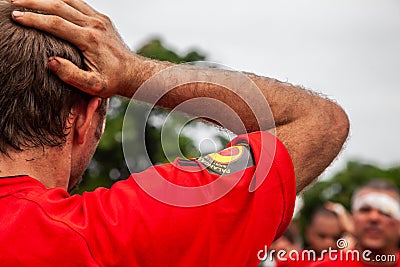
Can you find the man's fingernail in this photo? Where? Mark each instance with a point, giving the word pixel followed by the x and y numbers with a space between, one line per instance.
pixel 53 64
pixel 17 14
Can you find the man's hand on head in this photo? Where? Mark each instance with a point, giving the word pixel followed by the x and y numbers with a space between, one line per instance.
pixel 108 60
pixel 312 128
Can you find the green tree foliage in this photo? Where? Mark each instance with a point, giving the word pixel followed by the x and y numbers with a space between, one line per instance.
pixel 342 185
pixel 156 50
pixel 108 164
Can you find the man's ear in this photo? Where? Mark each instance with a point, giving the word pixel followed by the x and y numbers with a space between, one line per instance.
pixel 84 119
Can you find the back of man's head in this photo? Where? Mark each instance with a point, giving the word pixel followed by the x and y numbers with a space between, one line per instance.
pixel 34 103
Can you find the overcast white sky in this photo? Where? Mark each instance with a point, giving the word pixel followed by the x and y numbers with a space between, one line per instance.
pixel 346 49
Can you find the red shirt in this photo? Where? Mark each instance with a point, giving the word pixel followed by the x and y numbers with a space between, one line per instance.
pixel 350 264
pixel 124 226
pixel 300 262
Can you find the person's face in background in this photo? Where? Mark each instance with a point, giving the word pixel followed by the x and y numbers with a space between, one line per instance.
pixel 323 233
pixel 376 228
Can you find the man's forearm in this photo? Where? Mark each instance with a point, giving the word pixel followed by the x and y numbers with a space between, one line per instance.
pixel 312 128
pixel 243 96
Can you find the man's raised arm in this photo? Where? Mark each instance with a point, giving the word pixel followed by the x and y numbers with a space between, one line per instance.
pixel 312 128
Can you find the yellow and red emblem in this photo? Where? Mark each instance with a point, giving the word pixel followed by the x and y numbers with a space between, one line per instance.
pixel 228 155
pixel 226 161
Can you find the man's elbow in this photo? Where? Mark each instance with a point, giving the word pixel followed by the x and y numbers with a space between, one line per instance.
pixel 338 124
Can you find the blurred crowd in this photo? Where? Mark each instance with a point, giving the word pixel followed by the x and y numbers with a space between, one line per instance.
pixel 365 235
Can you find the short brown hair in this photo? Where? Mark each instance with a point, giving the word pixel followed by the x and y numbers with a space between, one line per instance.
pixel 34 103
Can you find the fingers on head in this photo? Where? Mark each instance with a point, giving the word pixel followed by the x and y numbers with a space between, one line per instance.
pixel 56 7
pixel 86 81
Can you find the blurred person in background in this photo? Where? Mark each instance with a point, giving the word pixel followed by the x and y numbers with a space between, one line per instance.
pixel 321 235
pixel 346 223
pixel 323 232
pixel 376 217
pixel 289 241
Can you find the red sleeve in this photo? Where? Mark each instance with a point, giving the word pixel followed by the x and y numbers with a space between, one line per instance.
pixel 201 213
pixel 265 147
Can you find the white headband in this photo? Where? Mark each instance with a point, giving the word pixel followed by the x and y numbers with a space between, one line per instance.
pixel 379 201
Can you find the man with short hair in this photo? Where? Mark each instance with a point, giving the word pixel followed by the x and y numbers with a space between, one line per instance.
pixel 168 215
pixel 376 217
pixel 36 108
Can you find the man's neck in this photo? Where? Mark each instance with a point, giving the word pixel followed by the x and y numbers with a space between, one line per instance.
pixel 48 165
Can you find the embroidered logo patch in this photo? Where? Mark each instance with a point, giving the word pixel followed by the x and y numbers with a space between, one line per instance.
pixel 229 160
